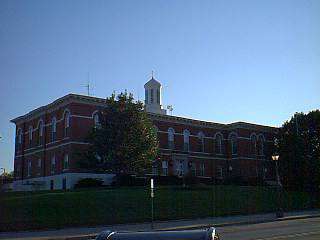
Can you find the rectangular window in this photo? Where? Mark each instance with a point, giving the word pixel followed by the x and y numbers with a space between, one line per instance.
pixel 146 96
pixel 39 166
pixel 29 168
pixel 201 144
pixel 158 96
pixel 171 144
pixel 219 172
pixel 186 147
pixel 53 164
pixel 53 136
pixel 66 162
pixel 218 145
pixel 194 169
pixel 202 169
pixel 264 173
pixel 154 170
pixel 151 97
pixel 165 168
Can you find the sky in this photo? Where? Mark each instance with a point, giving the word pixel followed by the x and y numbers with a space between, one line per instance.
pixel 221 61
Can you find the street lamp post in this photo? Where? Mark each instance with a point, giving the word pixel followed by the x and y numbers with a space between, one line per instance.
pixel 279 212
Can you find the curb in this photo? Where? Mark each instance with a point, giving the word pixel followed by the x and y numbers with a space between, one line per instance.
pixel 238 223
pixel 210 225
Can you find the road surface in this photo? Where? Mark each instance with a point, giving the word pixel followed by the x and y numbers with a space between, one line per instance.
pixel 306 229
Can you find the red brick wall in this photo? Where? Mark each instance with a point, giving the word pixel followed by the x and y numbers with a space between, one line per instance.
pixel 81 122
pixel 32 150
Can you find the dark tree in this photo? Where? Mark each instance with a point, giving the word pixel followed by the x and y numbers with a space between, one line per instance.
pixel 125 142
pixel 299 148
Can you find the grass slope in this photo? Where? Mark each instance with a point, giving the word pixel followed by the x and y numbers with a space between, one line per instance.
pixel 132 204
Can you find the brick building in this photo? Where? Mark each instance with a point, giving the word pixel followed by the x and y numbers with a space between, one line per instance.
pixel 50 138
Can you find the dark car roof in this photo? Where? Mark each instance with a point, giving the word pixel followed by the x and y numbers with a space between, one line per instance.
pixel 201 234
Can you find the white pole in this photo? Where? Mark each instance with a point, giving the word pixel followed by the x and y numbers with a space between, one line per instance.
pixel 152 196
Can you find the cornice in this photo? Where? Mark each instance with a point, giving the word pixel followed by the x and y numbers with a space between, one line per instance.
pixel 76 98
pixel 213 125
pixel 60 102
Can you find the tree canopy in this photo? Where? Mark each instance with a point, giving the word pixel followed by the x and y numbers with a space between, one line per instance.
pixel 125 141
pixel 299 149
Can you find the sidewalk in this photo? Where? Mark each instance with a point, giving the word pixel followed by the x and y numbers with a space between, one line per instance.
pixel 87 232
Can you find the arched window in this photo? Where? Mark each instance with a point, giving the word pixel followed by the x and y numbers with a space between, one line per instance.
pixel 233 143
pixel 201 142
pixel 260 144
pixel 53 129
pixel 19 136
pixel 96 120
pixel 253 144
pixel 30 135
pixel 66 123
pixel 171 138
pixel 186 137
pixel 218 143
pixel 40 131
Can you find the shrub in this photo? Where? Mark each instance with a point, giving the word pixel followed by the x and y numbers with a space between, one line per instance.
pixel 191 180
pixel 244 181
pixel 129 180
pixel 167 180
pixel 89 183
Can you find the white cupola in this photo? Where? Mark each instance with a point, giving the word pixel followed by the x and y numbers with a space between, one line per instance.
pixel 153 97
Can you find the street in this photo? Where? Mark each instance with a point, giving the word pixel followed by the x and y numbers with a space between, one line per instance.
pixel 296 225
pixel 308 229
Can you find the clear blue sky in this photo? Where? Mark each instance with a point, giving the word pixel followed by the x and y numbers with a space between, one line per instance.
pixel 223 61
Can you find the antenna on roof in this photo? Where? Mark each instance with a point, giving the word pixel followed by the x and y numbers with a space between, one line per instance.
pixel 88 86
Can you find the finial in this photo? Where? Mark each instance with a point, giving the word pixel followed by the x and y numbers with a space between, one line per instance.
pixel 152 74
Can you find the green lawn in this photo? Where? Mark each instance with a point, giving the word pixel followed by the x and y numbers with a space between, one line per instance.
pixel 132 204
